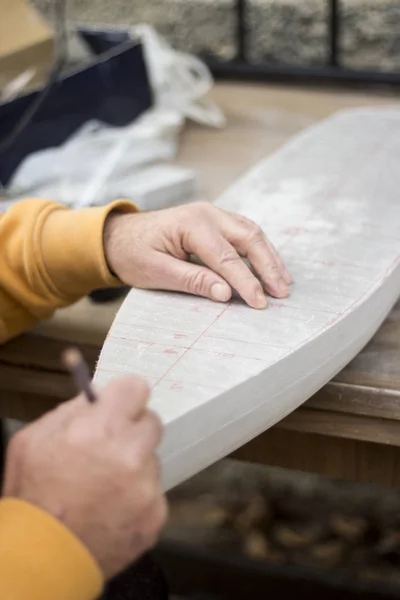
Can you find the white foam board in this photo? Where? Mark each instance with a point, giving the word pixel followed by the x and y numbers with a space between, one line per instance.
pixel 222 374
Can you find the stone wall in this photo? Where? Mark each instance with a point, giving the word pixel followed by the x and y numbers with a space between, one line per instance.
pixel 289 31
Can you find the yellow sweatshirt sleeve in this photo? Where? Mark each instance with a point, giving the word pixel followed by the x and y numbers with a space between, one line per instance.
pixel 49 258
pixel 40 559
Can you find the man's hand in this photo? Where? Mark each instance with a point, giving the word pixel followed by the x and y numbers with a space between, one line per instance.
pixel 92 466
pixel 152 250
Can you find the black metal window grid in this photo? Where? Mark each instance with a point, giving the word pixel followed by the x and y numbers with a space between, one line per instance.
pixel 332 72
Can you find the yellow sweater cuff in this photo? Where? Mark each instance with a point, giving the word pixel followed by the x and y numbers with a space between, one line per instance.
pixel 40 559
pixel 71 254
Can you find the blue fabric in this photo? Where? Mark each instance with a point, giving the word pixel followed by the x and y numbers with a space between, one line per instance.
pixel 114 89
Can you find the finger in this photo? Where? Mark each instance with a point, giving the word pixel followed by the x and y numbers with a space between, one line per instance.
pixel 182 276
pixel 250 241
pixel 54 421
pixel 218 254
pixel 124 398
pixel 286 275
pixel 149 483
pixel 144 437
pixel 153 520
pixel 159 513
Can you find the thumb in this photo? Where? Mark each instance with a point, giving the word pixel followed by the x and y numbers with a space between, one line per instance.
pixel 182 276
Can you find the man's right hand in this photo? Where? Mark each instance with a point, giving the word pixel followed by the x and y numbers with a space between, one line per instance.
pixel 93 467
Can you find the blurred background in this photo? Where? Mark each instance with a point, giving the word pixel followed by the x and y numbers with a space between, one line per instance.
pixel 279 31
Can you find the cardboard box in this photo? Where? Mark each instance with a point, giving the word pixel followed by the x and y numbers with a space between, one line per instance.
pixel 26 43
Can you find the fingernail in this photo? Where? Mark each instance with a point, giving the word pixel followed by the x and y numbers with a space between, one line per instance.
pixel 287 277
pixel 283 287
pixel 220 292
pixel 262 301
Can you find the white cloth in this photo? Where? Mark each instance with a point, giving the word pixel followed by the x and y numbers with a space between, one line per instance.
pixel 99 163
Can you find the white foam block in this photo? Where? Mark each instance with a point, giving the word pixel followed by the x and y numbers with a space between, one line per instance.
pixel 222 374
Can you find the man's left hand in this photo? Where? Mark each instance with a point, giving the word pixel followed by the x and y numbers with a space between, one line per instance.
pixel 152 250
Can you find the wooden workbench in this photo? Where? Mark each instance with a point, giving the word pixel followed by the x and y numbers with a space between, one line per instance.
pixel 351 428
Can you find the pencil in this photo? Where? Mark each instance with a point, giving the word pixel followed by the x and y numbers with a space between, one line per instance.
pixel 76 365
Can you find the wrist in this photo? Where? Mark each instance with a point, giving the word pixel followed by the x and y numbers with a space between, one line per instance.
pixel 112 246
pixel 110 226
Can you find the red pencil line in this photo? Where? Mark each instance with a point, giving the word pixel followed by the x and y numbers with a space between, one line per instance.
pixel 156 328
pixel 147 342
pixel 184 348
pixel 218 337
pixel 148 377
pixel 328 263
pixel 196 340
pixel 310 310
pixel 348 309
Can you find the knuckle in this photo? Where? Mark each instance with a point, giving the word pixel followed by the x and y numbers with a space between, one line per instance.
pixel 198 210
pixel 133 464
pixel 156 519
pixel 81 433
pixel 255 231
pixel 246 222
pixel 160 515
pixel 188 209
pixel 197 282
pixel 202 206
pixel 141 392
pixel 227 258
pixel 148 493
pixel 257 236
pixel 256 241
pixel 271 266
pixel 157 470
pixel 156 426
